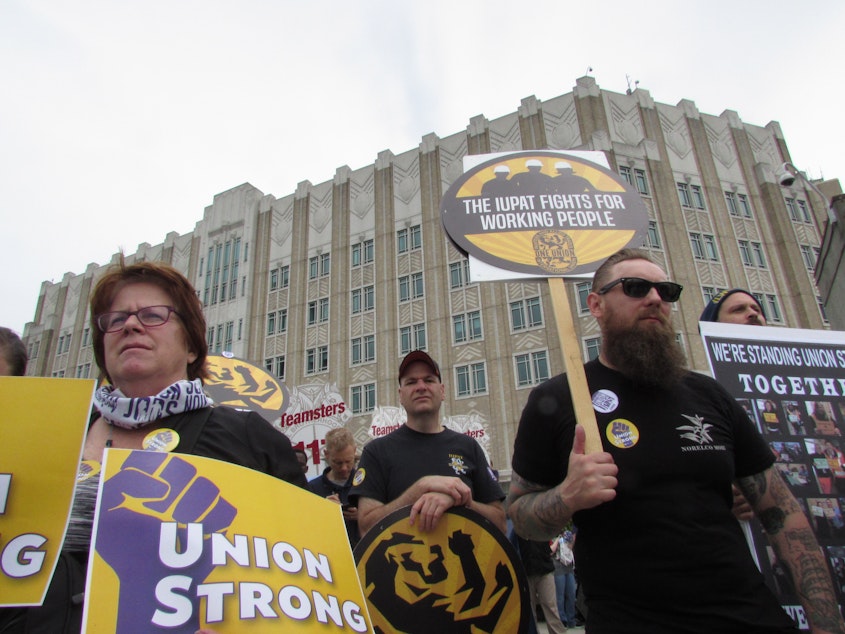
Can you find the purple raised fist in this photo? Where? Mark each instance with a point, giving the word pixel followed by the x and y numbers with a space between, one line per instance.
pixel 150 490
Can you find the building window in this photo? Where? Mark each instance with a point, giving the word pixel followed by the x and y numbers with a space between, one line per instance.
pixel 316 359
pixel 653 236
pixel 592 347
pixel 526 313
pixel 744 205
pixel 759 256
pixel 770 303
pixel 411 338
pixel 274 279
pixel 636 178
pixel 318 311
pixel 804 210
pixel 275 366
pixel 809 256
pixel 471 379
pixel 363 349
pixel 282 320
pixel 703 246
pixel 709 292
pixel 792 209
pixel 410 287
pixel 362 253
pixel 583 290
pixel 284 276
pixel 697 197
pixel 230 335
pixel 363 398
pixel 409 239
pixel 821 309
pixel 684 195
pixel 319 266
pixel 221 275
pixel 363 299
pixel 466 327
pixel 697 246
pixel 531 368
pixel 745 252
pixel 271 323
pixel 733 207
pixel 459 274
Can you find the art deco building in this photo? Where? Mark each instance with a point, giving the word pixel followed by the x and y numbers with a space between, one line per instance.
pixel 335 282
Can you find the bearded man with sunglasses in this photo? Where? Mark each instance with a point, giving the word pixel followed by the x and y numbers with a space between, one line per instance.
pixel 658 548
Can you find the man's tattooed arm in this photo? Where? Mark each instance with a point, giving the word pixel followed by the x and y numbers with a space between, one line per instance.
pixel 795 545
pixel 537 512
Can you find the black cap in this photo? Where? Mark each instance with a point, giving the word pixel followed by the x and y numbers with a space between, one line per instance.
pixel 418 356
pixel 711 311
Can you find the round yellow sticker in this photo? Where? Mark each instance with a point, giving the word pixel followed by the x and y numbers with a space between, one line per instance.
pixel 164 440
pixel 622 433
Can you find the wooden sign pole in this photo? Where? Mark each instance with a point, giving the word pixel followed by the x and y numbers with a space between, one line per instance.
pixel 574 364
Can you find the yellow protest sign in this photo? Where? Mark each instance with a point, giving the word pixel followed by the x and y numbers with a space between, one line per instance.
pixel 182 542
pixel 44 423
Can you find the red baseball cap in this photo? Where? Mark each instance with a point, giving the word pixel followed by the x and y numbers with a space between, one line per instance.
pixel 418 356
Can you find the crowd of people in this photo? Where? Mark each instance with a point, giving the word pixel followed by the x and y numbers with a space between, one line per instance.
pixel 647 526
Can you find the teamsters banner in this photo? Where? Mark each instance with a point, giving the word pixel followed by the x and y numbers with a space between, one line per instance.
pixel 791 382
pixel 43 423
pixel 182 542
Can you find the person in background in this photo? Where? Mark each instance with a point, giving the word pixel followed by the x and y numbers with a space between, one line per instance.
pixel 149 340
pixel 422 464
pixel 536 557
pixel 564 560
pixel 13 356
pixel 336 481
pixel 736 306
pixel 658 548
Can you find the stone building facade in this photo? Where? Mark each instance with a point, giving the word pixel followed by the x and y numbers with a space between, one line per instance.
pixel 336 281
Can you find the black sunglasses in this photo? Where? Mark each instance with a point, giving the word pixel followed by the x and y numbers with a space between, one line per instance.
pixel 638 288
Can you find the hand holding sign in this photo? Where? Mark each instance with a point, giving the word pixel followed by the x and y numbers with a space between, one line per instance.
pixel 149 488
pixel 591 479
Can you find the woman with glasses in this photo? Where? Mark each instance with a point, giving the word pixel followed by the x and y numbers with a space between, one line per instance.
pixel 149 342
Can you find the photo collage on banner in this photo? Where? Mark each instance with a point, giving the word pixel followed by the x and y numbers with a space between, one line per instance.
pixel 791 384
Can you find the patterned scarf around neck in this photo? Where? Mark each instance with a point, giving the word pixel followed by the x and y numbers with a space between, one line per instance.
pixel 133 413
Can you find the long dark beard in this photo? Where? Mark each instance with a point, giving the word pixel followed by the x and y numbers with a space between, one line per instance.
pixel 649 356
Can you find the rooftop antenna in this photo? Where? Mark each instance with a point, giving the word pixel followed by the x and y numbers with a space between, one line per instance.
pixel 636 83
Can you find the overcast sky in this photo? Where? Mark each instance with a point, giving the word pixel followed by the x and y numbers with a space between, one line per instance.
pixel 121 119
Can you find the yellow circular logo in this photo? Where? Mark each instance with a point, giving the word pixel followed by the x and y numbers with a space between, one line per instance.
pixel 164 440
pixel 464 576
pixel 245 386
pixel 622 433
pixel 359 476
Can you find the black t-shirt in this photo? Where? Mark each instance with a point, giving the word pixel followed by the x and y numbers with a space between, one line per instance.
pixel 322 486
pixel 392 463
pixel 666 555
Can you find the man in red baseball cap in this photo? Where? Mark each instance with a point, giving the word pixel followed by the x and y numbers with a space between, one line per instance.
pixel 423 464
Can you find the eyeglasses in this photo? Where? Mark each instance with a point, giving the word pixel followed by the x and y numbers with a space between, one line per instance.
pixel 150 316
pixel 638 288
